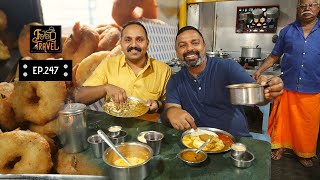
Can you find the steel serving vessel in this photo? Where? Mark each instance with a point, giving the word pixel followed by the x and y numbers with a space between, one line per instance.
pixel 129 149
pixel 246 93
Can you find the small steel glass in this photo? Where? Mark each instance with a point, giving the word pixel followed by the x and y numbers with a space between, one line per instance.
pixel 114 131
pixel 238 149
pixel 119 139
pixel 154 139
pixel 98 146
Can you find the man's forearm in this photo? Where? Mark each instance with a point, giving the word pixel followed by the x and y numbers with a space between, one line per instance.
pixel 164 115
pixel 90 94
pixel 268 62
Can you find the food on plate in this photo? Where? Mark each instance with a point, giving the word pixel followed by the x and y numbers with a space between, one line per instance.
pixel 88 65
pixel 49 129
pixel 108 38
pixel 83 42
pixel 192 156
pixel 124 11
pixel 38 101
pixel 7 116
pixel 218 142
pixel 79 163
pixel 24 152
pixel 3 20
pixel 133 108
pixel 4 51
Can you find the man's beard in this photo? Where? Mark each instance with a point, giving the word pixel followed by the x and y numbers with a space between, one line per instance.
pixel 193 62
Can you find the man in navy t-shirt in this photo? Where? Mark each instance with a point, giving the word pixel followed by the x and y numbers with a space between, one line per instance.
pixel 197 95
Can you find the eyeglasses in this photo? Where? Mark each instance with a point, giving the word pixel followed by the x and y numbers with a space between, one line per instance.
pixel 312 5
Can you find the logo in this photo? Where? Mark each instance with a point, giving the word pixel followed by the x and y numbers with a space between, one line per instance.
pixel 45 39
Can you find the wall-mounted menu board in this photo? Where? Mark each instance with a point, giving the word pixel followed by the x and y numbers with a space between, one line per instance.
pixel 247 23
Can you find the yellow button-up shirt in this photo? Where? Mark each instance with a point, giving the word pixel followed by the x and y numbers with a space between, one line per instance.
pixel 150 83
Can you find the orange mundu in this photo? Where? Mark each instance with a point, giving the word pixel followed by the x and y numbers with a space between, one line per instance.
pixel 294 123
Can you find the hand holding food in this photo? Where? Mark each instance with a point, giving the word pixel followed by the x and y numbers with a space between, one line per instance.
pixel 117 94
pixel 180 119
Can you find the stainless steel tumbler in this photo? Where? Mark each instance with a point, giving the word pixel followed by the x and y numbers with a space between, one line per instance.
pixel 73 128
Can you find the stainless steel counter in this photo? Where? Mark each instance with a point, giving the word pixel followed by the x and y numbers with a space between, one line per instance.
pixel 50 176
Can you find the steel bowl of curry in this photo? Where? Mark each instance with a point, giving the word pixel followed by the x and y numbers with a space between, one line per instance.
pixel 220 141
pixel 138 154
pixel 191 158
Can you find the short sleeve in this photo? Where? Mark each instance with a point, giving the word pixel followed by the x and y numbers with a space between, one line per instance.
pixel 172 94
pixel 279 46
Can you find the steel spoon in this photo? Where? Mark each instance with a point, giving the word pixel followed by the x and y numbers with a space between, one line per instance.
pixel 109 142
pixel 202 146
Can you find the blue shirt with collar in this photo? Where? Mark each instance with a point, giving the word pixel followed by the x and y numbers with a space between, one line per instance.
pixel 301 58
pixel 206 97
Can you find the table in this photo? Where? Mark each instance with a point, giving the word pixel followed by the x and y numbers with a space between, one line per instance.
pixel 167 166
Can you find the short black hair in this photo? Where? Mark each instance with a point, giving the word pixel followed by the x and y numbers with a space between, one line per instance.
pixel 186 28
pixel 134 23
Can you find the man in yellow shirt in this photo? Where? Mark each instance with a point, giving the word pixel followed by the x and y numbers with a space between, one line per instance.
pixel 132 74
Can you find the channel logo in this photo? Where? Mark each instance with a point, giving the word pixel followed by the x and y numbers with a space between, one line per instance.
pixel 45 39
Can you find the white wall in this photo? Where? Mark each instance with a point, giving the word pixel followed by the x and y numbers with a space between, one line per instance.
pixel 229 41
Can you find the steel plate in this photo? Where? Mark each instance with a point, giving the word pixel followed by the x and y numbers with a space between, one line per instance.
pixel 215 130
pixel 135 111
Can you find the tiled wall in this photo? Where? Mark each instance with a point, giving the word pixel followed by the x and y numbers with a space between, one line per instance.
pixel 162 39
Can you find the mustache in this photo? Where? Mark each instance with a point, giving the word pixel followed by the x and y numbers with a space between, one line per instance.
pixel 190 53
pixel 134 48
pixel 307 12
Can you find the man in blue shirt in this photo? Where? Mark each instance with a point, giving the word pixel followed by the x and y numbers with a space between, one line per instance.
pixel 197 95
pixel 294 123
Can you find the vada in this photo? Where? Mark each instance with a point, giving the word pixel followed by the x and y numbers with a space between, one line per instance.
pixel 7 116
pixel 124 11
pixel 88 65
pixel 108 38
pixel 38 101
pixel 24 152
pixel 82 42
pixel 49 129
pixel 78 163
